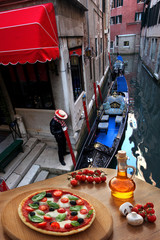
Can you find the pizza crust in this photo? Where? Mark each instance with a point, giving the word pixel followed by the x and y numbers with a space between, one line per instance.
pixel 83 228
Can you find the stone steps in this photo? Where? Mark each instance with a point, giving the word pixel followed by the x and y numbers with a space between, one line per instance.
pixel 20 175
pixel 38 162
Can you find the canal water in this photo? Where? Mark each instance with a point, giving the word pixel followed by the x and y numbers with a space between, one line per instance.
pixel 142 135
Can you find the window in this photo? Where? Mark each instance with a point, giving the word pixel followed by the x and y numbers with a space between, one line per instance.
pixel 111 44
pixel 140 1
pixel 77 79
pixel 113 20
pixel 101 45
pixel 154 48
pixel 96 47
pixel 158 62
pixel 126 44
pixel 119 3
pixel 138 16
pixel 113 3
pixel 28 85
pixel 118 19
pixel 146 47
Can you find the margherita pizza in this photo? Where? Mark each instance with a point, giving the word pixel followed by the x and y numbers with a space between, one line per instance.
pixel 56 212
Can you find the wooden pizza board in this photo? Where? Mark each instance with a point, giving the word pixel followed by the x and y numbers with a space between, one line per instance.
pixel 101 228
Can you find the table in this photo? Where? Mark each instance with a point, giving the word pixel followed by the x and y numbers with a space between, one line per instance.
pixel 121 229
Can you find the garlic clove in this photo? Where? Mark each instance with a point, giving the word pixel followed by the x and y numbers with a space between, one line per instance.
pixel 134 219
pixel 125 208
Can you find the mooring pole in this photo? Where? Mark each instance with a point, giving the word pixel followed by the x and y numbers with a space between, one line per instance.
pixel 95 93
pixel 85 111
pixel 69 145
pixel 100 94
pixel 109 56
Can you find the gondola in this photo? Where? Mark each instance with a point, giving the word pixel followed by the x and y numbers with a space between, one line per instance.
pixel 118 67
pixel 106 133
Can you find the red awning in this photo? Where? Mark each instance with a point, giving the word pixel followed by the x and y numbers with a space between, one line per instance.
pixel 28 35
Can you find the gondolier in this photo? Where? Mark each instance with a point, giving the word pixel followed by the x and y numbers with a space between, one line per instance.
pixel 56 128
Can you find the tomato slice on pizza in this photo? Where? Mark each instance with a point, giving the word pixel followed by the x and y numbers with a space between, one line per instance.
pixel 56 212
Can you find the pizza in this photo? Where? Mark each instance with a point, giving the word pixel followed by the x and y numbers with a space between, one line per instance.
pixel 56 212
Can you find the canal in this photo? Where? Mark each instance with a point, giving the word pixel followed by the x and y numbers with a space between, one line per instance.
pixel 142 135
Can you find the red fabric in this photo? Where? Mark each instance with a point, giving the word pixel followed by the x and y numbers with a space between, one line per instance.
pixel 77 51
pixel 28 35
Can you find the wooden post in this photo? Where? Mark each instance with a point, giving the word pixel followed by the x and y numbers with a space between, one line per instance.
pixel 85 111
pixel 100 94
pixel 95 93
pixel 69 145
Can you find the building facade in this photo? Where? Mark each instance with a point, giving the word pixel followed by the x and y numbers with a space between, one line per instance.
pixel 34 91
pixel 125 25
pixel 150 38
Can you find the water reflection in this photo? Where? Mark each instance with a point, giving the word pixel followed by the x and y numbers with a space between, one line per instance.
pixel 142 135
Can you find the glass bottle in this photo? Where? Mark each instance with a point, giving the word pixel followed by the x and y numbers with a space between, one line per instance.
pixel 122 186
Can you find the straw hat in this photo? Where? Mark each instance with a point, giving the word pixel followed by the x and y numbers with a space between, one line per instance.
pixel 61 114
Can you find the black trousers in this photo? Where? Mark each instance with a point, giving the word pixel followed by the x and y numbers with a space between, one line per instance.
pixel 61 141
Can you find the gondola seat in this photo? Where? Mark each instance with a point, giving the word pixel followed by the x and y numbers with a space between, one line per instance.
pixel 114 105
pixel 118 119
pixel 103 126
pixel 105 118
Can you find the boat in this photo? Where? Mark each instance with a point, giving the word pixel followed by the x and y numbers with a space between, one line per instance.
pixel 118 67
pixel 107 131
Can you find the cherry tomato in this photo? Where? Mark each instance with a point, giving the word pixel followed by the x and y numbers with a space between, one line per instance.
pixel 55 225
pixel 43 207
pixel 78 177
pixel 74 182
pixel 73 174
pixel 90 179
pixel 83 178
pixel 29 209
pixel 97 179
pixel 44 199
pixel 68 225
pixel 85 171
pixel 61 210
pixel 41 225
pixel 75 218
pixel 139 206
pixel 142 213
pixel 134 209
pixel 97 172
pixel 48 218
pixel 64 200
pixel 90 172
pixel 103 178
pixel 151 218
pixel 58 193
pixel 83 211
pixel 150 210
pixel 79 202
pixel 80 173
pixel 149 205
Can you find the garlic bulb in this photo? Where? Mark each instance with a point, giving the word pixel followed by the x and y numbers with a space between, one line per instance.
pixel 134 219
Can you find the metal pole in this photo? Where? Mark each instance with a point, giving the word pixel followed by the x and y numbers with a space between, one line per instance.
pixel 85 111
pixel 69 145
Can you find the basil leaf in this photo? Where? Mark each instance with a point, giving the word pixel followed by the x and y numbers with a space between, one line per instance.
pixel 35 218
pixel 61 217
pixel 53 204
pixel 33 205
pixel 40 212
pixel 38 196
pixel 90 213
pixel 75 208
pixel 75 223
pixel 72 197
